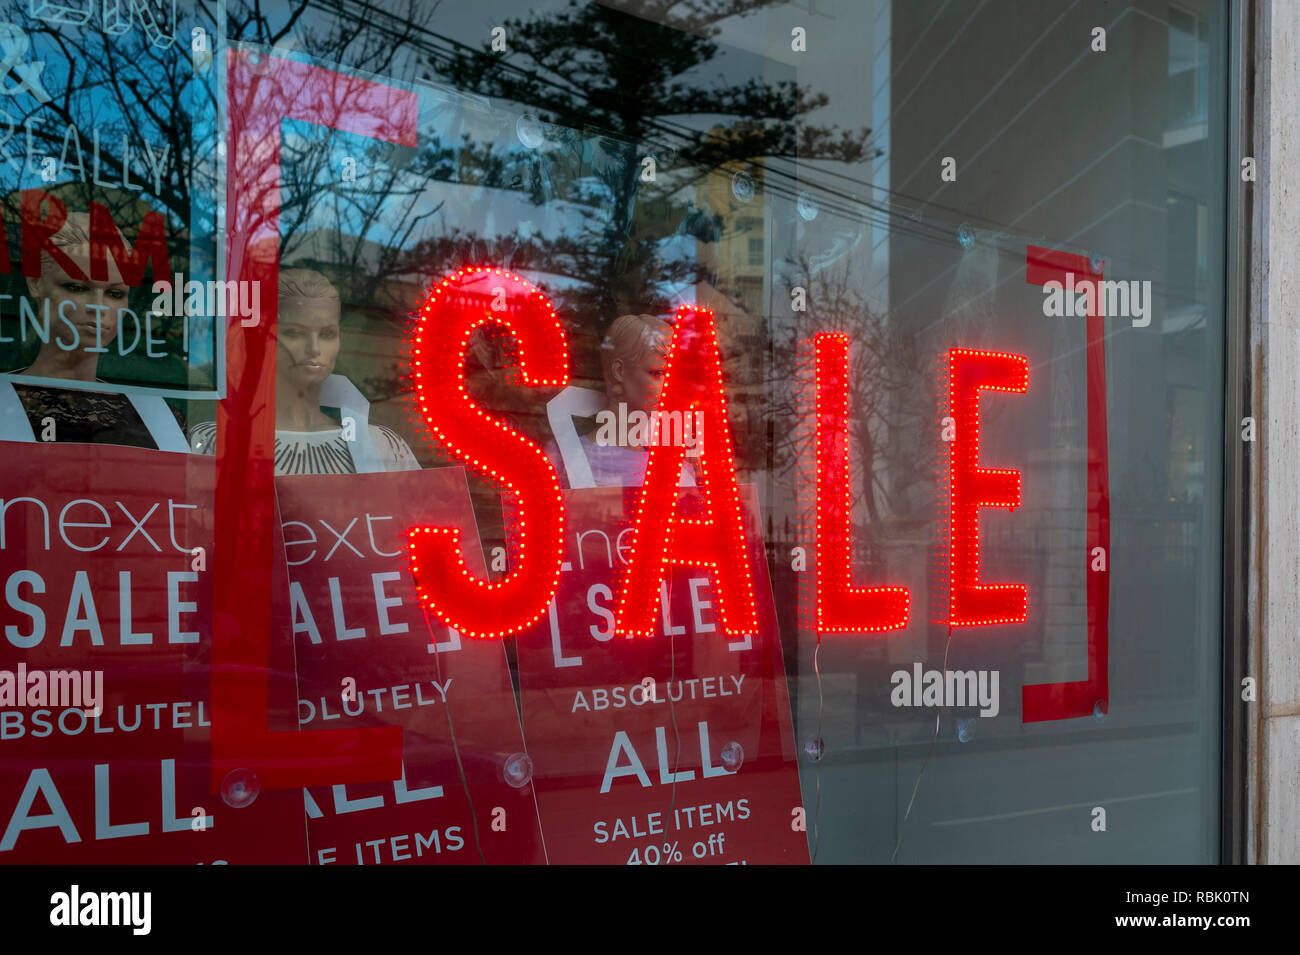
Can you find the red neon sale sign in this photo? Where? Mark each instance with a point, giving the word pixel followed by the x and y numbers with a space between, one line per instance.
pixel 711 535
pixel 841 606
pixel 972 486
pixel 663 535
pixel 665 532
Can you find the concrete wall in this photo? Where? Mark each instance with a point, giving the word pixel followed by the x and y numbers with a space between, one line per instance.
pixel 1275 517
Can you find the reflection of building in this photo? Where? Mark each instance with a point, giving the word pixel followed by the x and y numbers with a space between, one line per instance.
pixel 739 264
pixel 1132 187
pixel 740 257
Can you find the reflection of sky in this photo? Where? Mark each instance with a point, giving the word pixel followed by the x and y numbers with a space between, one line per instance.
pixel 749 46
pixel 359 209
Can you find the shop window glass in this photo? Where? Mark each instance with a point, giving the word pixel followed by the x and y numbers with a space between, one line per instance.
pixel 947 275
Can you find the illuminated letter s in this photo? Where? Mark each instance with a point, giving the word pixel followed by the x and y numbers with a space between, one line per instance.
pixel 452 311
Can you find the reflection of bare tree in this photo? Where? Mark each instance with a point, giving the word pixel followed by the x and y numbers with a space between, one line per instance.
pixel 153 107
pixel 125 86
pixel 890 383
pixel 380 242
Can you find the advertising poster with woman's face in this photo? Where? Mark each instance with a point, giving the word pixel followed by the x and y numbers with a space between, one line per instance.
pixel 110 308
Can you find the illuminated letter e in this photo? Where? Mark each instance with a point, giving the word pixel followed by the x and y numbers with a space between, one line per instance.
pixel 972 603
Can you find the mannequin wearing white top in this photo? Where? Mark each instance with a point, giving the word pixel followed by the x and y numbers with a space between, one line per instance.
pixel 633 355
pixel 307 440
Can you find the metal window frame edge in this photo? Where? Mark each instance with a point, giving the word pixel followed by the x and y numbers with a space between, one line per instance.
pixel 1236 844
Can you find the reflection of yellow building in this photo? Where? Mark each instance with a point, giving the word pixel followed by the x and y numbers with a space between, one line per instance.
pixel 739 266
pixel 739 258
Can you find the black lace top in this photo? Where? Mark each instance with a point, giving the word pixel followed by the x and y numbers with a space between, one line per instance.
pixel 86 417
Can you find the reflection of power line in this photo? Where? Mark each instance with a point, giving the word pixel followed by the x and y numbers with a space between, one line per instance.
pixel 444 48
pixel 778 182
pixel 884 215
pixel 904 221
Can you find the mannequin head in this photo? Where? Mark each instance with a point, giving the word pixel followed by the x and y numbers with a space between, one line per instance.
pixel 632 357
pixel 94 305
pixel 308 329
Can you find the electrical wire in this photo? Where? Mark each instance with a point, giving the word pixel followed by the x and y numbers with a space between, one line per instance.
pixel 672 707
pixel 452 47
pixel 902 826
pixel 901 221
pixel 817 810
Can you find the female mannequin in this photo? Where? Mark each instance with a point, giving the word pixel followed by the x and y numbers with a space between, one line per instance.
pixel 67 413
pixel 308 441
pixel 632 357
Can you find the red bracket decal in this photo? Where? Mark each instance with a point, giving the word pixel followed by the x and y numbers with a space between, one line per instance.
pixel 1063 701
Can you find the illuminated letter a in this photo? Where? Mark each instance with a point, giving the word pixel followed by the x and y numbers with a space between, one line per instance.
pixel 709 531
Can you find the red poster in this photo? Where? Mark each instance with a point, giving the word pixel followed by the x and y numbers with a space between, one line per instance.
pixel 669 749
pixel 106 561
pixel 367 656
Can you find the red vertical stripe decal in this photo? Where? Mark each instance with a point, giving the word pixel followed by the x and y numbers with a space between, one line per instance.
pixel 258 99
pixel 1062 701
